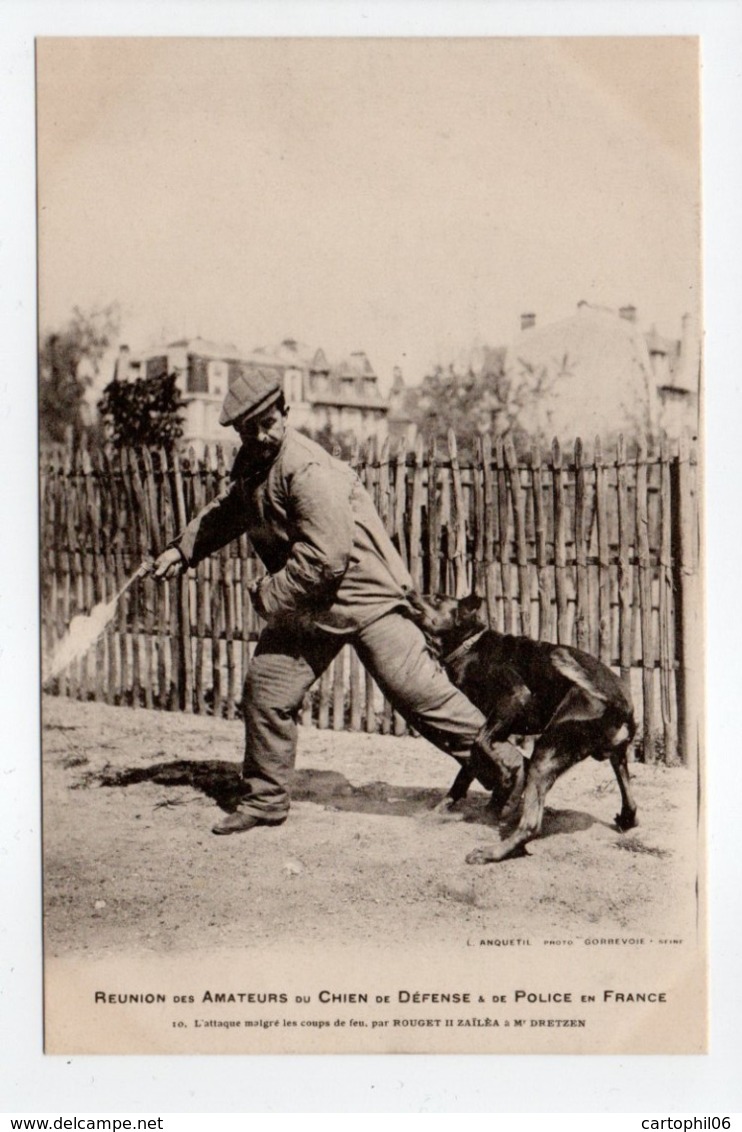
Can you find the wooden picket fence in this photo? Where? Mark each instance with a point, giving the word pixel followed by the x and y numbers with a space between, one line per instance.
pixel 598 550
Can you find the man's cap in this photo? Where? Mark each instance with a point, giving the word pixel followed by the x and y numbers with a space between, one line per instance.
pixel 252 391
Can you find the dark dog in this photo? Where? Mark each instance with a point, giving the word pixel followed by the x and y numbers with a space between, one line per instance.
pixel 571 701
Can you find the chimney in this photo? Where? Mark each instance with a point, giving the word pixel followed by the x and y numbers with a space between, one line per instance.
pixel 121 369
pixel 527 321
pixel 628 313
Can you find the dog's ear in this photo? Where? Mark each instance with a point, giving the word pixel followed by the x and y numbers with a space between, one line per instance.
pixel 473 604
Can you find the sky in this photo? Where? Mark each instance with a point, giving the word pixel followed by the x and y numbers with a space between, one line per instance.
pixel 406 197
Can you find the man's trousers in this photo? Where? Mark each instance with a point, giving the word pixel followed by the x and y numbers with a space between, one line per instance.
pixel 287 662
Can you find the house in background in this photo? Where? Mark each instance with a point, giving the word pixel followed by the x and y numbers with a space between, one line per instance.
pixel 340 397
pixel 677 369
pixel 598 373
pixel 204 371
pixel 593 373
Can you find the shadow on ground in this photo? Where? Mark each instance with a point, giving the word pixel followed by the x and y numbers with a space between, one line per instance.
pixel 221 781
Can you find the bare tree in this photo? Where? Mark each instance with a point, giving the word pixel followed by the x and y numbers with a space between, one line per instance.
pixel 69 361
pixel 488 396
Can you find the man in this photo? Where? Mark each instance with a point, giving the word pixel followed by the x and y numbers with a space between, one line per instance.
pixel 333 576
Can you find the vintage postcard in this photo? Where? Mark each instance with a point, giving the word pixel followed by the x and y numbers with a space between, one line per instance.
pixel 370 383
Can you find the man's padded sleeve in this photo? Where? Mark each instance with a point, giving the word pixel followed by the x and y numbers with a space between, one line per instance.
pixel 321 528
pixel 218 523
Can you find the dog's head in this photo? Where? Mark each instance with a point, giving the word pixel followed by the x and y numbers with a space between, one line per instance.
pixel 439 615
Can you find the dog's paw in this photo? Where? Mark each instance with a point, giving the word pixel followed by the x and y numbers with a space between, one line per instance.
pixel 488 854
pixel 444 811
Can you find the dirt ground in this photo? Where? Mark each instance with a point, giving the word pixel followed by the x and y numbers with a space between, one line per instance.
pixel 132 864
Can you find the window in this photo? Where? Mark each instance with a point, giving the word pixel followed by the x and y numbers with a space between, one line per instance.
pixel 157 367
pixel 198 375
pixel 217 377
pixel 292 385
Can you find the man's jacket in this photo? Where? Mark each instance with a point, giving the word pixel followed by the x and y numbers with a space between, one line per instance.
pixel 315 528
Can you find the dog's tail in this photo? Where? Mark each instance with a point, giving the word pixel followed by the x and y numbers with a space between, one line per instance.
pixel 569 667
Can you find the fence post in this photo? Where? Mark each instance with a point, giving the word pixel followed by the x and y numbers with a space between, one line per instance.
pixel 433 520
pixel 560 540
pixel 185 666
pixel 458 519
pixel 142 627
pixel 667 700
pixel 625 575
pixel 416 566
pixel 519 537
pixel 383 490
pixel 478 580
pixel 689 631
pixel 400 501
pixel 645 602
pixel 582 534
pixel 545 630
pixel 509 622
pixel 370 477
pixel 488 521
pixel 386 514
pixel 605 650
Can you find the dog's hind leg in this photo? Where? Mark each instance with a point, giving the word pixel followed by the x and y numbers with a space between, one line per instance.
pixel 460 784
pixel 500 768
pixel 627 818
pixel 494 764
pixel 497 764
pixel 458 790
pixel 551 757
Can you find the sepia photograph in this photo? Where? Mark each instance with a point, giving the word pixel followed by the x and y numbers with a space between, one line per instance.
pixel 371 465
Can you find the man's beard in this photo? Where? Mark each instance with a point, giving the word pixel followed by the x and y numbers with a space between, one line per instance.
pixel 257 456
